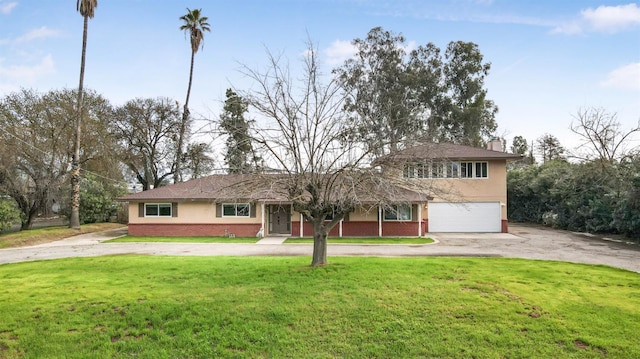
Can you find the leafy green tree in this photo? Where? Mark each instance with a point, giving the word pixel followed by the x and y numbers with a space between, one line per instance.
pixel 384 90
pixel 550 149
pixel 521 147
pixel 98 199
pixel 195 25
pixel 87 10
pixel 402 95
pixel 147 131
pixel 464 115
pixel 585 197
pixel 626 216
pixel 9 214
pixel 240 156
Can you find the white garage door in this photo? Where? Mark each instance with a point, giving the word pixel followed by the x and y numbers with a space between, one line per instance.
pixel 465 217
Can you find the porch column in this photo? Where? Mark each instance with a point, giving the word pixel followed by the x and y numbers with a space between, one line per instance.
pixel 301 225
pixel 340 229
pixel 379 221
pixel 419 219
pixel 263 208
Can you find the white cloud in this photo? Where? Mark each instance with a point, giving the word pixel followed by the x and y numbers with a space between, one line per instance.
pixel 25 73
pixel 339 51
pixel 7 7
pixel 626 77
pixel 612 18
pixel 39 33
pixel 609 19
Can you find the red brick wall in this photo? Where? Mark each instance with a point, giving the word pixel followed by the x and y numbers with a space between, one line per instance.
pixel 366 229
pixel 505 226
pixel 400 229
pixel 214 230
pixel 355 229
pixel 308 230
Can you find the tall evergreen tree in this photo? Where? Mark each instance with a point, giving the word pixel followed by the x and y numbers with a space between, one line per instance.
pixel 239 156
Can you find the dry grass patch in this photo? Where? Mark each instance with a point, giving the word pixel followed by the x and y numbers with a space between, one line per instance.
pixel 35 236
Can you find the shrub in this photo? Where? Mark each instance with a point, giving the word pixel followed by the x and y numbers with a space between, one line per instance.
pixel 9 214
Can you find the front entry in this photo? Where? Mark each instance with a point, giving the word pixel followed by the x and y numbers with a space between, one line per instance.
pixel 280 219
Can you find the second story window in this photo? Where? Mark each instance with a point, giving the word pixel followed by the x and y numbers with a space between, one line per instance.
pixel 481 170
pixel 446 169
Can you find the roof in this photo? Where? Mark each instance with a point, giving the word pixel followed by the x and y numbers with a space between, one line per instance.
pixel 450 151
pixel 213 187
pixel 262 187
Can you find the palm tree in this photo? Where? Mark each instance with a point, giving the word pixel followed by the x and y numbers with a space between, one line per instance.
pixel 86 9
pixel 195 25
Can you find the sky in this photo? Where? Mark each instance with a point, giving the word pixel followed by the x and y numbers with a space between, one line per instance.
pixel 549 58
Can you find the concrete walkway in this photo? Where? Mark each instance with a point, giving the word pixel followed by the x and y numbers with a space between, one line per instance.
pixel 530 242
pixel 272 240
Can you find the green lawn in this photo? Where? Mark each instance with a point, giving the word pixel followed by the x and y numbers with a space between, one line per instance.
pixel 279 307
pixel 372 240
pixel 185 239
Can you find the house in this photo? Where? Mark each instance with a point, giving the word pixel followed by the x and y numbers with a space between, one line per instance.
pixel 449 188
pixel 468 184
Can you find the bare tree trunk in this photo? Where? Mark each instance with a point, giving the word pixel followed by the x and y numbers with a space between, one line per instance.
pixel 177 175
pixel 319 244
pixel 74 218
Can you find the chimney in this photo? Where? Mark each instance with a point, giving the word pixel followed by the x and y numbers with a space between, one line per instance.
pixel 494 144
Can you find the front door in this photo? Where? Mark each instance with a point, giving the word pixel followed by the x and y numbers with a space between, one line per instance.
pixel 280 219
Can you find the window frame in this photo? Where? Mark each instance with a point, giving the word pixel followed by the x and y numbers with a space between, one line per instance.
pixel 446 170
pixel 159 212
pixel 397 213
pixel 236 211
pixel 484 169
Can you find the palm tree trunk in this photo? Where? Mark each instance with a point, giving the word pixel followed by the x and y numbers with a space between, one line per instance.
pixel 177 175
pixel 74 218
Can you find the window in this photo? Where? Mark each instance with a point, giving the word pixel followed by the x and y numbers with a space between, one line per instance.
pixel 453 169
pixel 423 170
pixel 236 210
pixel 401 212
pixel 466 169
pixel 409 171
pixel 481 170
pixel 437 170
pixel 446 169
pixel 157 210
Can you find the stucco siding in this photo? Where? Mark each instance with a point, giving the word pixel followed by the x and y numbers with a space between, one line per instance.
pixel 193 212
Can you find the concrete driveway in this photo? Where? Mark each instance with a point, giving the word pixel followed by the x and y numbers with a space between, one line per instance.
pixel 532 242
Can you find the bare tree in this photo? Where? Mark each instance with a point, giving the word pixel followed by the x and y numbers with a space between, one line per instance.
pixel 308 137
pixel 602 136
pixel 147 130
pixel 37 142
